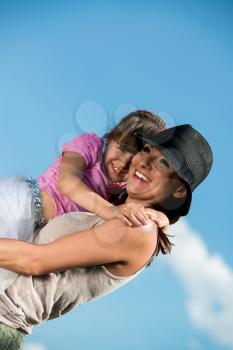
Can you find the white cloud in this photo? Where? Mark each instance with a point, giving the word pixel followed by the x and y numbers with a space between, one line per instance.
pixel 208 282
pixel 34 346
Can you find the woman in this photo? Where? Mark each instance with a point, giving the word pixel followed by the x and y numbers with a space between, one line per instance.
pixel 163 175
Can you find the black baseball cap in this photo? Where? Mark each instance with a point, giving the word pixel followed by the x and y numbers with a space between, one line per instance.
pixel 188 151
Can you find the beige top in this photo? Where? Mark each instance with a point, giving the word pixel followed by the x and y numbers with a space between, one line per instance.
pixel 31 300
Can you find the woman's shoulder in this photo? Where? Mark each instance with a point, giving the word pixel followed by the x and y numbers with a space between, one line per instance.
pixel 143 240
pixel 136 241
pixel 138 245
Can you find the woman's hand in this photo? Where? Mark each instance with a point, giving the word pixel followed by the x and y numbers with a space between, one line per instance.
pixel 132 214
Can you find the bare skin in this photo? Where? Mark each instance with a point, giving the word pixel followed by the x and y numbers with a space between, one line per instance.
pixel 122 249
pixel 48 205
pixel 70 184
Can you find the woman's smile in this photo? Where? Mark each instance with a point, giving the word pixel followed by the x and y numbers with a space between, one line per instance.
pixel 150 176
pixel 140 177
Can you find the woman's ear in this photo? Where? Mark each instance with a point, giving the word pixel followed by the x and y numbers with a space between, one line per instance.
pixel 180 192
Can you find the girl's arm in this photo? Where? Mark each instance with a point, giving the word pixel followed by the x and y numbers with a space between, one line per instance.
pixel 110 242
pixel 70 184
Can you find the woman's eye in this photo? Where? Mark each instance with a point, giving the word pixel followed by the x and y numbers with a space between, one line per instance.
pixel 146 149
pixel 165 163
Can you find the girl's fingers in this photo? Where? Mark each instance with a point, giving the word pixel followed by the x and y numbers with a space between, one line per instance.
pixel 137 219
pixel 157 216
pixel 156 219
pixel 126 221
pixel 138 216
pixel 140 212
pixel 138 208
pixel 141 217
pixel 133 219
pixel 160 224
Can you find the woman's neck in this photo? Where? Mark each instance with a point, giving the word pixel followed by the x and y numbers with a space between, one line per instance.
pixel 137 201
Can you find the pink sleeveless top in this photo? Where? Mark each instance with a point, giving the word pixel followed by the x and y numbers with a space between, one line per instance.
pixel 91 148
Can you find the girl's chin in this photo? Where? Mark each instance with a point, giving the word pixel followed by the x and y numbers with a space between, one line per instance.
pixel 115 177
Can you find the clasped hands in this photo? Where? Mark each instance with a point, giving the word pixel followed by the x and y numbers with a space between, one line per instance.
pixel 136 215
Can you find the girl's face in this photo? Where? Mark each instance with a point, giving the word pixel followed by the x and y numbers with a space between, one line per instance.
pixel 151 177
pixel 117 161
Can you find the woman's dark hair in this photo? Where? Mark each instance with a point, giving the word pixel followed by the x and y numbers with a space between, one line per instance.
pixel 164 245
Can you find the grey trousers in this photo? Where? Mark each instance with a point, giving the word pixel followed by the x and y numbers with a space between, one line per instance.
pixel 10 338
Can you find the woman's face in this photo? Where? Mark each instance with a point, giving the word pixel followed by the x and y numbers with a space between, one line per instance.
pixel 151 177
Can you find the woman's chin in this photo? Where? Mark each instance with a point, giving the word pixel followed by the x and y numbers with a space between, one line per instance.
pixel 135 190
pixel 136 185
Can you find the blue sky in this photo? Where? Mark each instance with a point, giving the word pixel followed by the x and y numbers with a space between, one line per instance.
pixel 73 66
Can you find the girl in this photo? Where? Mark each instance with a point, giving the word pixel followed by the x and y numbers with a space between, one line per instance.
pixel 92 171
pixel 88 174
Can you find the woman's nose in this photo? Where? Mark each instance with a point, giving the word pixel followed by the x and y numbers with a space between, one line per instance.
pixel 146 162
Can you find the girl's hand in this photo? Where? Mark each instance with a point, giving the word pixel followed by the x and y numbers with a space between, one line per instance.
pixel 132 214
pixel 159 218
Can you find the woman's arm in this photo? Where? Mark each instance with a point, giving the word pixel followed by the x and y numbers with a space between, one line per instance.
pixel 110 242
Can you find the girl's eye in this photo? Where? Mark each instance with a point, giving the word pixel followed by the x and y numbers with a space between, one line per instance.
pixel 125 149
pixel 121 148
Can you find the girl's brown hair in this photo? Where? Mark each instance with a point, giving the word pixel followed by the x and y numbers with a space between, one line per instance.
pixel 140 120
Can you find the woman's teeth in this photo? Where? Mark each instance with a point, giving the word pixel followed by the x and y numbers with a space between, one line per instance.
pixel 141 176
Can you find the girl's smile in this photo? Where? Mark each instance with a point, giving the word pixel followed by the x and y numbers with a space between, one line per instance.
pixel 117 161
